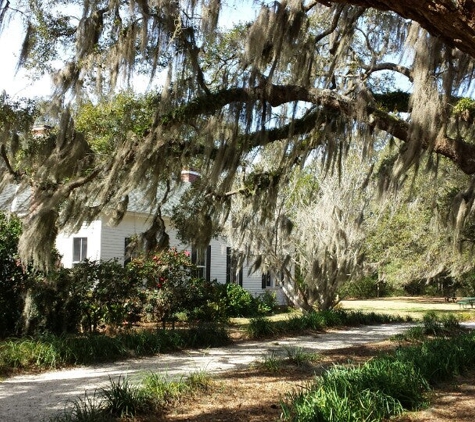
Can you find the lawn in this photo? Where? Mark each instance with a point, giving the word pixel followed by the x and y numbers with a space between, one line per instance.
pixel 414 307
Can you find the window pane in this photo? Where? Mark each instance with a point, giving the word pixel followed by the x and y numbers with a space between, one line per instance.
pixel 79 248
pixel 84 249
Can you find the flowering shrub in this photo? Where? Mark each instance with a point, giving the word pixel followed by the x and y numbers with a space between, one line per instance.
pixel 89 295
pixel 169 286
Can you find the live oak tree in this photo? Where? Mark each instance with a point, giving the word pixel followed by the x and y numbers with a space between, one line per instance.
pixel 316 76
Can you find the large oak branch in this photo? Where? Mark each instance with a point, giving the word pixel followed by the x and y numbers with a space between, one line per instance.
pixel 451 20
pixel 457 150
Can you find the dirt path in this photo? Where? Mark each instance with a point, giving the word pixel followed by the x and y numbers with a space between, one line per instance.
pixel 28 398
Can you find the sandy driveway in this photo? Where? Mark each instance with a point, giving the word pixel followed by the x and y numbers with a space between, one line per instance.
pixel 33 398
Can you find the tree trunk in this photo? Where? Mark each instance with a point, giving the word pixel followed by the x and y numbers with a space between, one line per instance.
pixel 27 314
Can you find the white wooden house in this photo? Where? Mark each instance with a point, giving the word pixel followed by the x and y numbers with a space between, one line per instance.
pixel 101 241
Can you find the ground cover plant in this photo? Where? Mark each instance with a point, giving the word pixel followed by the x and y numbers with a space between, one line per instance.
pixel 123 399
pixel 260 327
pixel 48 352
pixel 388 385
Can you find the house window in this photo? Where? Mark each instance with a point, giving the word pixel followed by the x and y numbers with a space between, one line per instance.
pixel 201 258
pixel 233 272
pixel 266 280
pixel 79 249
pixel 127 252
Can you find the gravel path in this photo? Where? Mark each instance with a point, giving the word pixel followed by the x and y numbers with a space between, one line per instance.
pixel 33 398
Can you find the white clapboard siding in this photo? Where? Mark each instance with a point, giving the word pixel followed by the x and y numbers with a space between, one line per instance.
pixel 92 231
pixel 106 242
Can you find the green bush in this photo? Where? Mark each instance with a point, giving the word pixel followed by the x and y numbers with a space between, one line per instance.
pixel 266 303
pixel 260 327
pixel 238 301
pixel 366 288
pixel 15 278
pixel 441 358
pixel 383 386
pixel 374 391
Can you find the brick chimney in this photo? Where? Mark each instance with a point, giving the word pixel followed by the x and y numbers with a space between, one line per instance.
pixel 189 176
pixel 41 130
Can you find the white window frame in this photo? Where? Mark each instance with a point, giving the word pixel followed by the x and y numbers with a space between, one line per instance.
pixel 80 242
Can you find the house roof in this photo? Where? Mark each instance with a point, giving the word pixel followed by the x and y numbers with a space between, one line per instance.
pixel 14 200
pixel 139 204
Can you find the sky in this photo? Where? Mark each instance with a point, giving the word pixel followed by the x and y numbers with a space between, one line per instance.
pixel 17 84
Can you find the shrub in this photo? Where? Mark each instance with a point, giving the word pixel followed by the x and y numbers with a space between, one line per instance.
pixel 366 288
pixel 266 303
pixel 206 335
pixel 238 301
pixel 15 278
pixel 374 391
pixel 381 387
pixel 88 296
pixel 260 327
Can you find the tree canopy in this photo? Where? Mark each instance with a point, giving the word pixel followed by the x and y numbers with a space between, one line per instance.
pixel 314 77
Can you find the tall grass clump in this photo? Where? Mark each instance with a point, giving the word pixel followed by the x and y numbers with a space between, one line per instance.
pixel 261 327
pixel 371 392
pixel 29 353
pixel 441 358
pixel 264 327
pixel 50 351
pixel 436 325
pixel 299 357
pixel 206 335
pixel 383 386
pixel 124 399
pixel 87 409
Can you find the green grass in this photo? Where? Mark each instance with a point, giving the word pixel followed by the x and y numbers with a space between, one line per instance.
pixel 270 363
pixel 299 357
